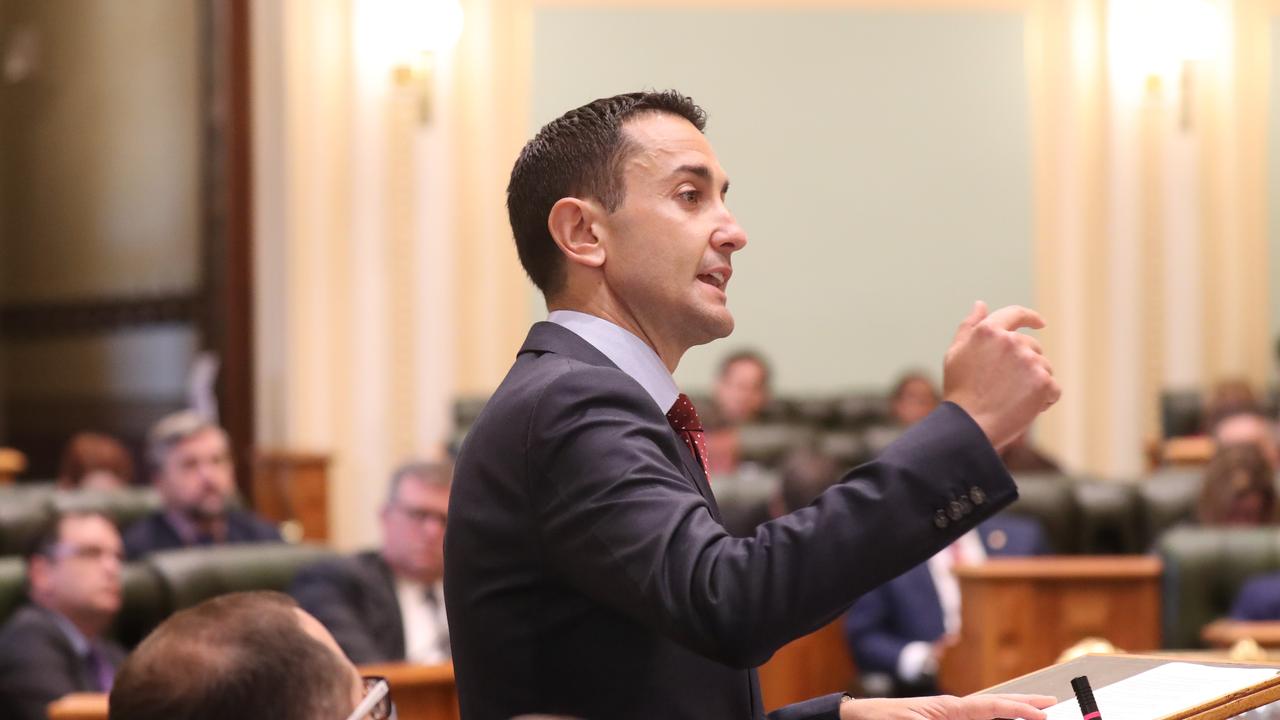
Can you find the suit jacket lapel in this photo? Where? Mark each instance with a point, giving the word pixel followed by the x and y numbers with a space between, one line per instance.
pixel 550 337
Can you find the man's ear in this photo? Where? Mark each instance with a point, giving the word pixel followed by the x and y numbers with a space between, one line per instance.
pixel 37 573
pixel 572 222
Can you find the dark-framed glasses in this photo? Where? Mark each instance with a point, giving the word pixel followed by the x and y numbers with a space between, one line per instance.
pixel 376 704
pixel 90 553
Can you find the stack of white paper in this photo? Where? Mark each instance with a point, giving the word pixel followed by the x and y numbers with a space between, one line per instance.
pixel 1164 690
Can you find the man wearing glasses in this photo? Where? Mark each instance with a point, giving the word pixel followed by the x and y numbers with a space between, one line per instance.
pixel 55 645
pixel 247 656
pixel 387 605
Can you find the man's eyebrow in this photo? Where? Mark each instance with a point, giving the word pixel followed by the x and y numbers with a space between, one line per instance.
pixel 701 171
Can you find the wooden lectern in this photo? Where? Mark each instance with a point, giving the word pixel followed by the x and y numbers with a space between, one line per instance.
pixel 1019 614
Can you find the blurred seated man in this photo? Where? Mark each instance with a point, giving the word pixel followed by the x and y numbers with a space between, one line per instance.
pixel 192 470
pixel 741 393
pixel 1232 396
pixel 54 645
pixel 898 631
pixel 247 656
pixel 1239 489
pixel 1249 428
pixel 94 461
pixel 805 475
pixel 913 397
pixel 1020 456
pixel 1258 599
pixel 388 605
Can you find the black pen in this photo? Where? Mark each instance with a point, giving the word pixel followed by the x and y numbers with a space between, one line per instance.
pixel 1084 696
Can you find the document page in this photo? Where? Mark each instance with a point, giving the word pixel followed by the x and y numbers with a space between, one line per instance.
pixel 1164 690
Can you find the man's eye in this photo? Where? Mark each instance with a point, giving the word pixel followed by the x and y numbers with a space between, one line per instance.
pixel 690 196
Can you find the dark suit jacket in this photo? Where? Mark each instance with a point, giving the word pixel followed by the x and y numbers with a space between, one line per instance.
pixel 587 572
pixel 1259 599
pixel 154 532
pixel 907 609
pixel 39 665
pixel 355 598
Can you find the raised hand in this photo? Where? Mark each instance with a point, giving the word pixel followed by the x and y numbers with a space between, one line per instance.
pixel 947 707
pixel 998 375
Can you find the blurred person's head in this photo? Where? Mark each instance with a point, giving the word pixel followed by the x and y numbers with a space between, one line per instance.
pixel 94 461
pixel 249 656
pixel 1239 488
pixel 74 567
pixel 912 398
pixel 414 520
pixel 1249 428
pixel 806 474
pixel 192 466
pixel 742 387
pixel 1230 397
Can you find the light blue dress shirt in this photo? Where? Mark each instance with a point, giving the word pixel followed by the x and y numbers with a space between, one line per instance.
pixel 631 354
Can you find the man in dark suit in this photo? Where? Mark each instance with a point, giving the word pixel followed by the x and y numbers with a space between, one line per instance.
pixel 1259 599
pixel 586 569
pixel 192 469
pixel 388 605
pixel 54 645
pixel 898 631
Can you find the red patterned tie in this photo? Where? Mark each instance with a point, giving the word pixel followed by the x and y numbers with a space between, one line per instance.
pixel 684 420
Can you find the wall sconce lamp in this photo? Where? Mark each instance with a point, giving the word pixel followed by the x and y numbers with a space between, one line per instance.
pixel 424 31
pixel 1154 43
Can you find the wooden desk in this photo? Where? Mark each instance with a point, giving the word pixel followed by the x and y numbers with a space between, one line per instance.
pixel 1019 614
pixel 293 487
pixel 79 706
pixel 816 664
pixel 813 665
pixel 1225 633
pixel 420 692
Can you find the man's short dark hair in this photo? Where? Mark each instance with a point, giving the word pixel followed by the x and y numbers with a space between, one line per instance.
pixel 579 154
pixel 243 655
pixel 750 356
pixel 48 534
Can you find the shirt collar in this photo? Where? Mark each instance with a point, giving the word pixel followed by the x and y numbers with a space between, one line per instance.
pixel 631 354
pixel 187 530
pixel 78 641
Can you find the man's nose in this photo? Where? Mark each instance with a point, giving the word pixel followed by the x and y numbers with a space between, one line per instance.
pixel 729 237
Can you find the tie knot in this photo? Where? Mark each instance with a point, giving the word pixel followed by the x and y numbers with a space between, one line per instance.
pixel 683 416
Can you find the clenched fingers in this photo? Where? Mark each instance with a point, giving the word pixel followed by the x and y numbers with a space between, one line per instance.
pixel 1012 317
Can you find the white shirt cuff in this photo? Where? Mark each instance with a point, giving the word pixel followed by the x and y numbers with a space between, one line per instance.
pixel 916 660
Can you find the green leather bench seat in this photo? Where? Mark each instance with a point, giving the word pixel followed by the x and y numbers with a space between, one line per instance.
pixel 22 514
pixel 124 507
pixel 25 507
pixel 1204 568
pixel 191 575
pixel 13 585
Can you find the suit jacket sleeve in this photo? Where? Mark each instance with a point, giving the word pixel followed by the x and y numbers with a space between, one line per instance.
pixel 621 523
pixel 826 707
pixel 330 590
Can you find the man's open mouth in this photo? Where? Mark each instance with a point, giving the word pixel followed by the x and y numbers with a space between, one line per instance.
pixel 715 279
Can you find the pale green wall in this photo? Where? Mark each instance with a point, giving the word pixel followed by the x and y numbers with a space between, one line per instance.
pixel 880 164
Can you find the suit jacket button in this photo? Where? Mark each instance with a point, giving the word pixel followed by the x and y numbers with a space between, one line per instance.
pixel 955 510
pixel 977 495
pixel 966 505
pixel 940 519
